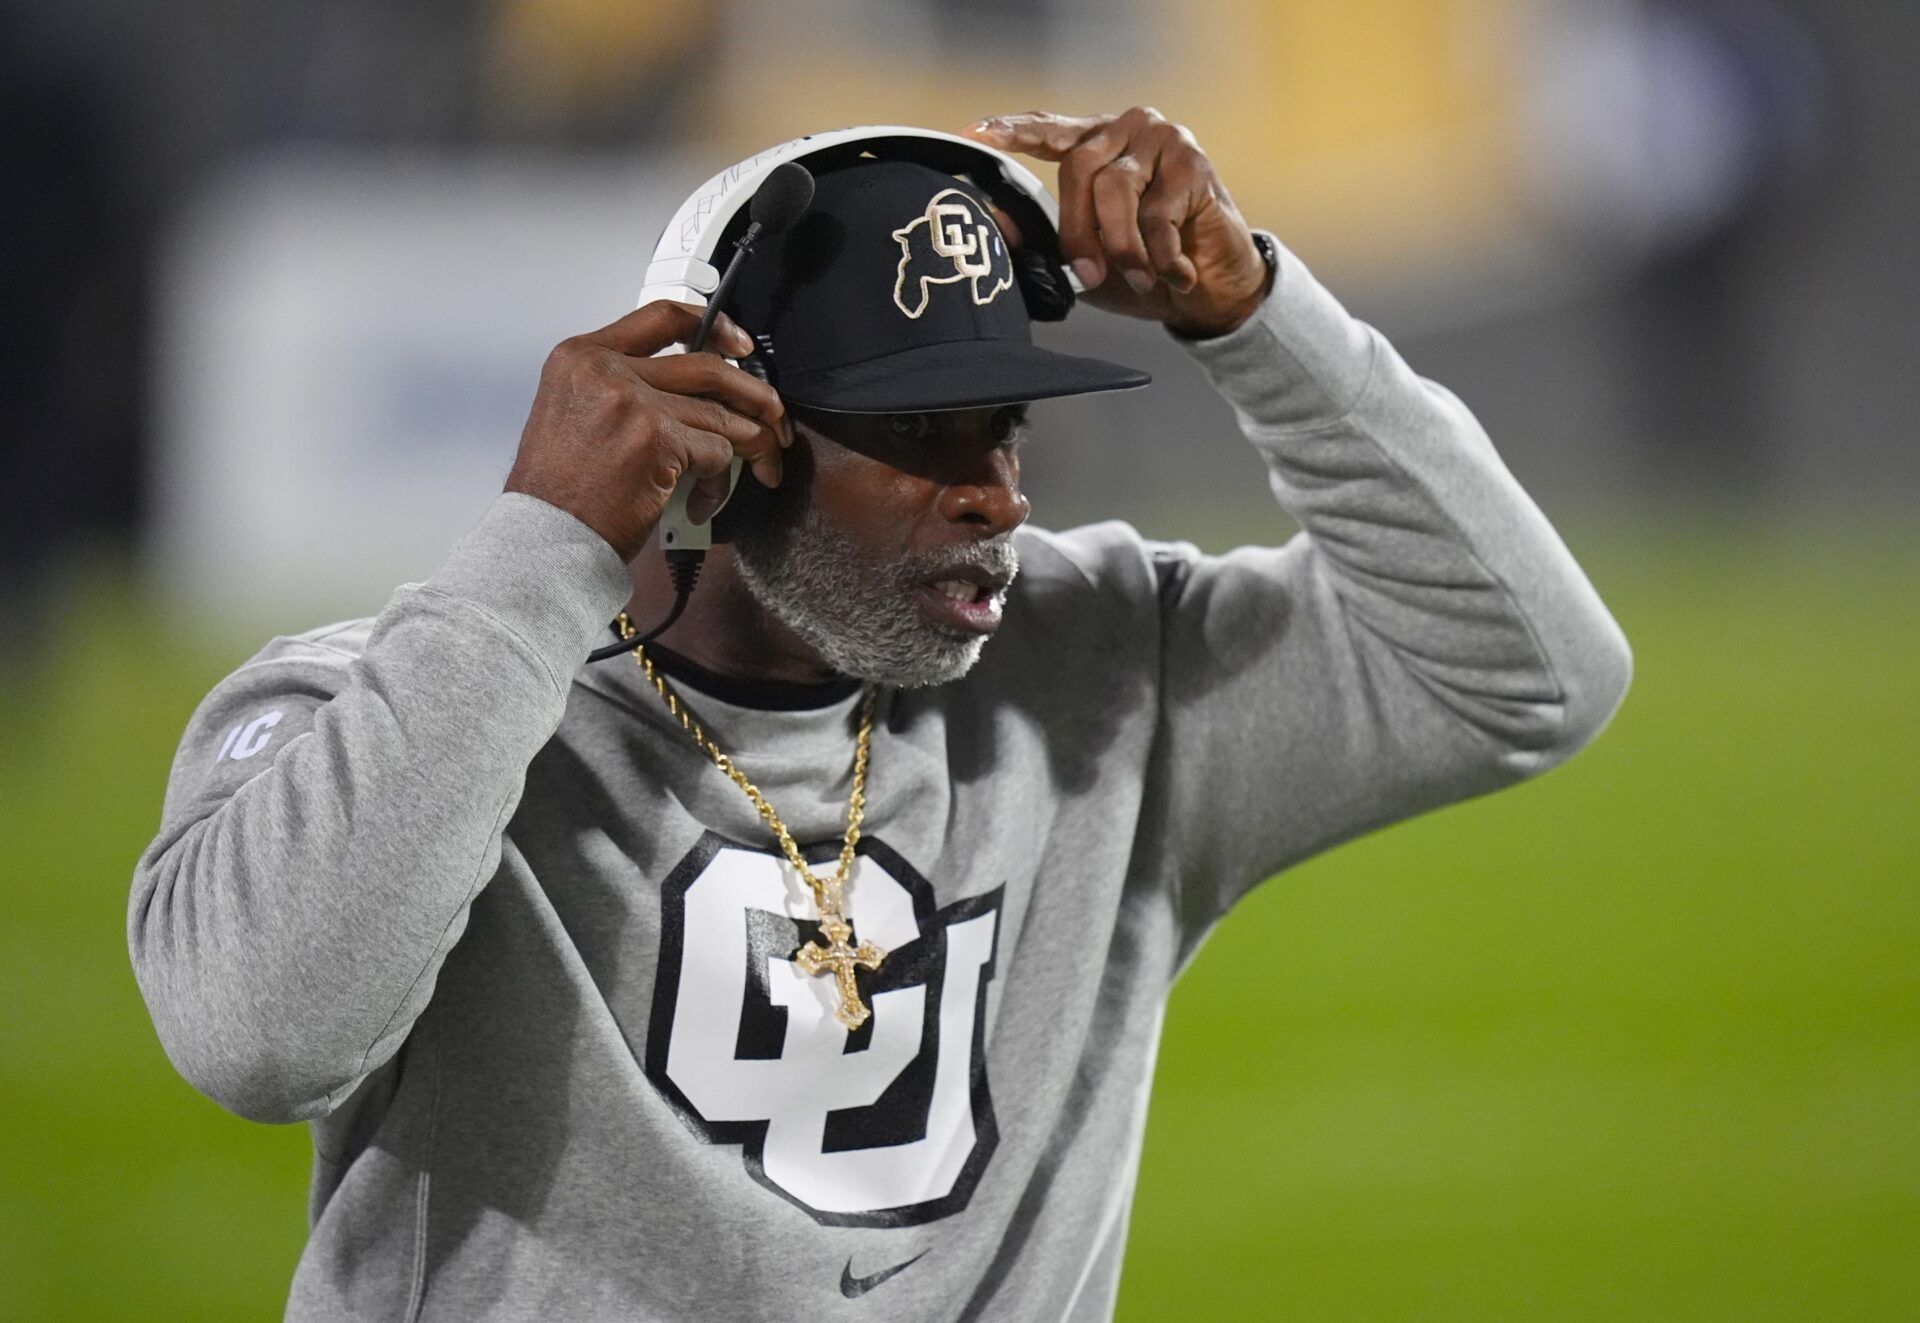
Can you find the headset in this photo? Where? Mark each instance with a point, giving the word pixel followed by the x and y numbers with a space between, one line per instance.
pixel 687 266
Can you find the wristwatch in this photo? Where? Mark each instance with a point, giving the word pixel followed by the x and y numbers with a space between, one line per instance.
pixel 1268 254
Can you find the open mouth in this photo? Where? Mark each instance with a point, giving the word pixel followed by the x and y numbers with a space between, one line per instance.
pixel 969 598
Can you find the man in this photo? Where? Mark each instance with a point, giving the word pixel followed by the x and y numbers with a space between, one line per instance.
pixel 588 1029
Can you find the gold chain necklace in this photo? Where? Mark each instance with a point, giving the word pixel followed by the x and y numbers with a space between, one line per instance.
pixel 839 956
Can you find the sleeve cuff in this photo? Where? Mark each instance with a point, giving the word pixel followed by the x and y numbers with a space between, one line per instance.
pixel 1300 360
pixel 543 574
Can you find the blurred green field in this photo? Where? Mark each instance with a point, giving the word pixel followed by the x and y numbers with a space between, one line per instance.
pixel 1637 1040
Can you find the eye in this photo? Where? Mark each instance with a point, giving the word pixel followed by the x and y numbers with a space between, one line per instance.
pixel 1008 425
pixel 910 426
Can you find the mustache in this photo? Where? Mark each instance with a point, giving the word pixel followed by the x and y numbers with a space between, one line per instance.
pixel 995 556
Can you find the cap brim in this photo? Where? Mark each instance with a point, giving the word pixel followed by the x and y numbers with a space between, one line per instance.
pixel 956 374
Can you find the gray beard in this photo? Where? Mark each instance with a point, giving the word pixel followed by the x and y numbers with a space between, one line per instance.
pixel 857 610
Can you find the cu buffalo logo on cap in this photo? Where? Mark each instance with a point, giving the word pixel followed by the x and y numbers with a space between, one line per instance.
pixel 954 240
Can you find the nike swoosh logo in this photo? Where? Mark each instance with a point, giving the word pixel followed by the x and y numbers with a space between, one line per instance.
pixel 854 1287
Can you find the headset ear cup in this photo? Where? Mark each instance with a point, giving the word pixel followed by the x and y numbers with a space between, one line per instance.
pixel 1043 285
pixel 751 501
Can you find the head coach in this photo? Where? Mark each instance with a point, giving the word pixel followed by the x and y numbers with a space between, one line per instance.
pixel 810 961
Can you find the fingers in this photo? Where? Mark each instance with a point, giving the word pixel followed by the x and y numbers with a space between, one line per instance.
pixel 1075 142
pixel 706 395
pixel 1169 201
pixel 653 326
pixel 757 444
pixel 1080 237
pixel 719 398
pixel 1106 165
pixel 1117 190
pixel 1036 132
pixel 713 378
pixel 1128 185
pixel 614 429
pixel 703 456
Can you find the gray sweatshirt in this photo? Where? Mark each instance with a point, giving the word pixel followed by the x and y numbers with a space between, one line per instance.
pixel 523 957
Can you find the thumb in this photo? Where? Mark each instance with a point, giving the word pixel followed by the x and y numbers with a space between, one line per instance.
pixel 708 495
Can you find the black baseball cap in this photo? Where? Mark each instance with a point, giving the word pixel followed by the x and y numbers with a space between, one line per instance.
pixel 895 293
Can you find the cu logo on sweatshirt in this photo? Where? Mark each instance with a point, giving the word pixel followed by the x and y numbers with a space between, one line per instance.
pixel 887 1125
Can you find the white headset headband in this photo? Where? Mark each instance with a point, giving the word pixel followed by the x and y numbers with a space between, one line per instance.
pixel 683 267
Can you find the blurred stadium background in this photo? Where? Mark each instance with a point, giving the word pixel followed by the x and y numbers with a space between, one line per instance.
pixel 1637 1040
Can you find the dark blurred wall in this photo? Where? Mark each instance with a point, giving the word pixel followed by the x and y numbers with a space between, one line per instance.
pixel 71 339
pixel 113 114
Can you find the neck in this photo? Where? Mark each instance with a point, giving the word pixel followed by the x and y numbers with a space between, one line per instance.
pixel 724 629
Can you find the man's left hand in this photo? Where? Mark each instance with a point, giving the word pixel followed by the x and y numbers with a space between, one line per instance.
pixel 1144 220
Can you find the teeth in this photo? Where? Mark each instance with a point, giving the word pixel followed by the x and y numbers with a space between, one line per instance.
pixel 956 589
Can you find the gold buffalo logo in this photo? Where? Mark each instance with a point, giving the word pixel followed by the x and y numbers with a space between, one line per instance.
pixel 953 240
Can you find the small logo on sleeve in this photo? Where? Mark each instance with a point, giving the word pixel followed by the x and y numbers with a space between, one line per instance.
pixel 249 737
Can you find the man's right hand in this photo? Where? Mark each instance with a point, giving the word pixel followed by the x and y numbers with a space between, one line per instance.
pixel 614 428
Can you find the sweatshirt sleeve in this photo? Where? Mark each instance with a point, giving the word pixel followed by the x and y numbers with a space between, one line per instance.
pixel 333 810
pixel 1425 637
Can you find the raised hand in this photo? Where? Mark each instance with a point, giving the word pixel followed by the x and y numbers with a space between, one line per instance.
pixel 1144 220
pixel 613 427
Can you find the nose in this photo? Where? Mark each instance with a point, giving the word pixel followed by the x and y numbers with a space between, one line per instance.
pixel 988 496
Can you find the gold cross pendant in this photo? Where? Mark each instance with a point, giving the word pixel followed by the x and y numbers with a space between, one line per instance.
pixel 840 958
